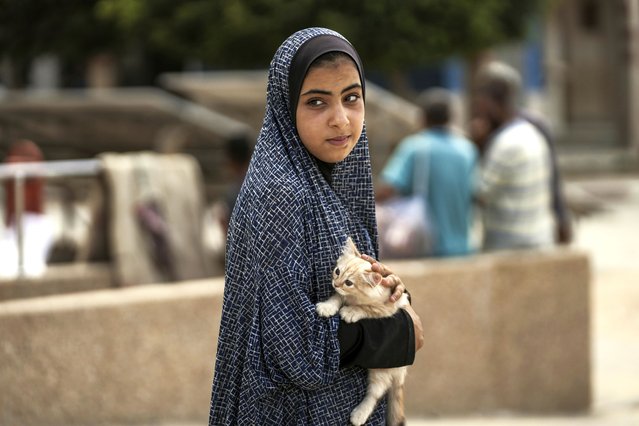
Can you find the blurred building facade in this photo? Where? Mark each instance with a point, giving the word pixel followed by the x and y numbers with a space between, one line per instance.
pixel 592 66
pixel 580 68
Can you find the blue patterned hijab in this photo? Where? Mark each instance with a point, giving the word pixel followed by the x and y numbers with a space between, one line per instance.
pixel 277 360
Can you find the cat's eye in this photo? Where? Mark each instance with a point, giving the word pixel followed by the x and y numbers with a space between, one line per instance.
pixel 348 283
pixel 337 271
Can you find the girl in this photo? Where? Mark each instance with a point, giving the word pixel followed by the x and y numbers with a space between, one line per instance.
pixel 308 188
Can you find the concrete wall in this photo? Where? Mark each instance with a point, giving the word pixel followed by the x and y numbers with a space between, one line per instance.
pixel 59 279
pixel 503 332
pixel 122 356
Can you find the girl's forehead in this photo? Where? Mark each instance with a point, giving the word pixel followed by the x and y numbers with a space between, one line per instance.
pixel 332 74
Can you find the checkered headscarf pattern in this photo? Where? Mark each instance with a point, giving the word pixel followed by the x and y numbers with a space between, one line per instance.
pixel 278 361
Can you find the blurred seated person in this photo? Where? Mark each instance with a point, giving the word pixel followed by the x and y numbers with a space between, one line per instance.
pixel 238 150
pixel 37 228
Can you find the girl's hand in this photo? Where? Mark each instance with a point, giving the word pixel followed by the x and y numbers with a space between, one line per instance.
pixel 389 279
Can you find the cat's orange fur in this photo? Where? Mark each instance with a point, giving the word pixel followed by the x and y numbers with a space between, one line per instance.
pixel 359 294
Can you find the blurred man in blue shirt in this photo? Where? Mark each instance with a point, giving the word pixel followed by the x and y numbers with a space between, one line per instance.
pixel 447 161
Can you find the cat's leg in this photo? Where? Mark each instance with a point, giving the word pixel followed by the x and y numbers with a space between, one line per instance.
pixel 330 306
pixel 352 313
pixel 378 383
pixel 395 415
pixel 403 301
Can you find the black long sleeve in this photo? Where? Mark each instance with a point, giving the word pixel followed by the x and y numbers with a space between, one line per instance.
pixel 378 343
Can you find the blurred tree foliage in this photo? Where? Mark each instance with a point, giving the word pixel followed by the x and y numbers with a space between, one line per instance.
pixel 389 34
pixel 68 28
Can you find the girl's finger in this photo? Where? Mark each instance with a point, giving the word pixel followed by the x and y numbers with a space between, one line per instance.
pixel 368 258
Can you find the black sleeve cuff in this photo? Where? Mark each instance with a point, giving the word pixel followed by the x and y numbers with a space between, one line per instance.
pixel 378 343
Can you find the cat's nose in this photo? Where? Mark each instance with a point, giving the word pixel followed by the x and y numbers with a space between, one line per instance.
pixel 336 284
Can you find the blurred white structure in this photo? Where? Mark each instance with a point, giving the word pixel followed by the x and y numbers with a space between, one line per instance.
pixel 24 246
pixel 26 254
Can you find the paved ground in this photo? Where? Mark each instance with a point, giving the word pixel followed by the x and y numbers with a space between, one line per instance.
pixel 611 235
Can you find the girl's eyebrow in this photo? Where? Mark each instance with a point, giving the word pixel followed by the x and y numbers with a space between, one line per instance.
pixel 328 92
pixel 351 87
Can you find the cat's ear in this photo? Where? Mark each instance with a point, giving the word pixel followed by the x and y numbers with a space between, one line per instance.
pixel 350 248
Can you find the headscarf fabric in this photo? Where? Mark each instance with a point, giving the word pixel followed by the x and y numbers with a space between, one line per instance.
pixel 311 50
pixel 277 360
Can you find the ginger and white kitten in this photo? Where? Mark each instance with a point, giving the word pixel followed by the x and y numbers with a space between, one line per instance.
pixel 359 294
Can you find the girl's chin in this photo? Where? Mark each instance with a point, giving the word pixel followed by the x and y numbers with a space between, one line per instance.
pixel 335 155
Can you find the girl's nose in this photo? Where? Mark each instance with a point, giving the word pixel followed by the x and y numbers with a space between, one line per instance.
pixel 339 118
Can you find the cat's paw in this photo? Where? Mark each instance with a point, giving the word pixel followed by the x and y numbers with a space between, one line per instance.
pixel 351 314
pixel 326 309
pixel 359 416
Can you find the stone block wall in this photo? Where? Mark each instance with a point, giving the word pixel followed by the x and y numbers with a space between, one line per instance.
pixel 503 332
pixel 124 356
pixel 59 279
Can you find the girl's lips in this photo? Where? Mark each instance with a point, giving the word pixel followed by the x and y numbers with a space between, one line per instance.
pixel 339 140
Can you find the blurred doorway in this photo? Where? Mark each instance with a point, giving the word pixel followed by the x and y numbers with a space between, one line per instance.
pixel 592 51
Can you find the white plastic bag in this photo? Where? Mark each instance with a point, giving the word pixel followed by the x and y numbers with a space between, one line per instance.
pixel 404 228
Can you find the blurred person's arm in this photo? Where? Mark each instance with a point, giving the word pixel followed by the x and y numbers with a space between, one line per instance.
pixel 396 177
pixel 479 131
pixel 496 168
pixel 384 191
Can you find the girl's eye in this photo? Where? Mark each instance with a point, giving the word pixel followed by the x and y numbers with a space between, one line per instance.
pixel 353 97
pixel 315 102
pixel 337 271
pixel 348 283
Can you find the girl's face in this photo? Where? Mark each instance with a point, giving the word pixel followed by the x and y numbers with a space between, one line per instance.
pixel 330 110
